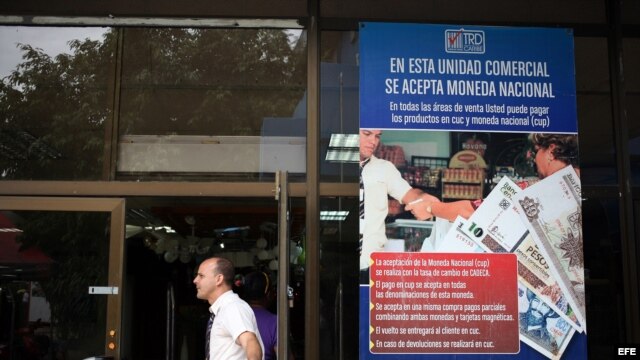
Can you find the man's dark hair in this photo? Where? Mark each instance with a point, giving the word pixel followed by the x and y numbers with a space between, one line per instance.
pixel 256 285
pixel 225 267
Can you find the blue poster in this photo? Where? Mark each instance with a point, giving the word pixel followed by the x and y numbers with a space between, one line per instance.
pixel 470 196
pixel 467 78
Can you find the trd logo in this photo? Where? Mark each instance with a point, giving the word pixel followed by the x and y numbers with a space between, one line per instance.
pixel 464 41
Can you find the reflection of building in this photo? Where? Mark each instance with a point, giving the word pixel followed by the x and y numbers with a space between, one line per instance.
pixel 26 263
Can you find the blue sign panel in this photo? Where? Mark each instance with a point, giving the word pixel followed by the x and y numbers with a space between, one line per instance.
pixel 470 242
pixel 466 78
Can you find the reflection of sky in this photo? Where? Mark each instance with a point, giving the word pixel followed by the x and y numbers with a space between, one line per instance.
pixel 52 40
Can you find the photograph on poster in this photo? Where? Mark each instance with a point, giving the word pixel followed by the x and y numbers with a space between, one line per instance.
pixel 452 172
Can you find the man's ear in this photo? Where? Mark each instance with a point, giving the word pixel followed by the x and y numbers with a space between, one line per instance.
pixel 219 279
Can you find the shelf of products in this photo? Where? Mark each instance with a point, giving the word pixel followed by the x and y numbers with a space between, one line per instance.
pixel 462 184
pixel 425 173
pixel 422 176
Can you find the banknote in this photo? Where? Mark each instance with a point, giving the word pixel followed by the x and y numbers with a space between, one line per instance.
pixel 534 272
pixel 551 209
pixel 496 226
pixel 455 241
pixel 541 327
pixel 496 216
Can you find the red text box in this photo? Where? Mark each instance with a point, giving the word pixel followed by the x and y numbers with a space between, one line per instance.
pixel 444 303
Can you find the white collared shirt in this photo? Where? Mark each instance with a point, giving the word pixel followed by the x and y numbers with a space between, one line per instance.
pixel 233 316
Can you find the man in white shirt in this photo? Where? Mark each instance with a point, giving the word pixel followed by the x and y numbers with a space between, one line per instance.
pixel 233 331
pixel 378 179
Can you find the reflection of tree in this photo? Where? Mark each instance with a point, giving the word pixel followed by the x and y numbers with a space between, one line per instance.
pixel 78 244
pixel 208 81
pixel 53 111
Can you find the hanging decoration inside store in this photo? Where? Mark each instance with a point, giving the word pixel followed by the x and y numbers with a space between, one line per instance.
pixel 266 250
pixel 172 246
pixel 229 242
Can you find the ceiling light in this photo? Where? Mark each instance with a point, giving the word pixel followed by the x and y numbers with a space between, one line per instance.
pixel 333 215
pixel 344 141
pixel 343 155
pixel 343 148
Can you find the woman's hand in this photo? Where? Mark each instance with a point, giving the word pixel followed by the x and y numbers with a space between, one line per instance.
pixel 421 207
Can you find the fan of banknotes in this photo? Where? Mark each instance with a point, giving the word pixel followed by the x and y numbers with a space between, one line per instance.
pixel 542 225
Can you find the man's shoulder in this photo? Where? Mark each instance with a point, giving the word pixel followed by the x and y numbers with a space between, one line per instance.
pixel 377 162
pixel 231 299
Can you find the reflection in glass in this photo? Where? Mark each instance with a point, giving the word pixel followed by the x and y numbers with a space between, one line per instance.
pixel 339 280
pixel 190 96
pixel 54 101
pixel 47 264
pixel 595 123
pixel 597 150
pixel 339 102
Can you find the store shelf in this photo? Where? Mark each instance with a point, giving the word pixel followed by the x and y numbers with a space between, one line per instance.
pixel 430 162
pixel 463 184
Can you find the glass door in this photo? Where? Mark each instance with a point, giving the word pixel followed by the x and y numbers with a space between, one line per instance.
pixel 167 237
pixel 60 277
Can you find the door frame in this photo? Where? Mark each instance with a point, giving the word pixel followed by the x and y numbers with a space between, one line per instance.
pixel 116 208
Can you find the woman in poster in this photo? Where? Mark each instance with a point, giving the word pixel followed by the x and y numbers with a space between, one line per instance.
pixel 549 153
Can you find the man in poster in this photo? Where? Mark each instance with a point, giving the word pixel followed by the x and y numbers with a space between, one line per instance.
pixel 379 178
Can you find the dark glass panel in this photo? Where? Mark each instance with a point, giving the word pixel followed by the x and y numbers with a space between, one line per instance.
pixel 595 122
pixel 339 280
pixel 603 276
pixel 631 59
pixel 630 12
pixel 46 270
pixel 597 151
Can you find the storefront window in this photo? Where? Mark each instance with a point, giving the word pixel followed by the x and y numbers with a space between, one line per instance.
pixel 54 101
pixel 197 101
